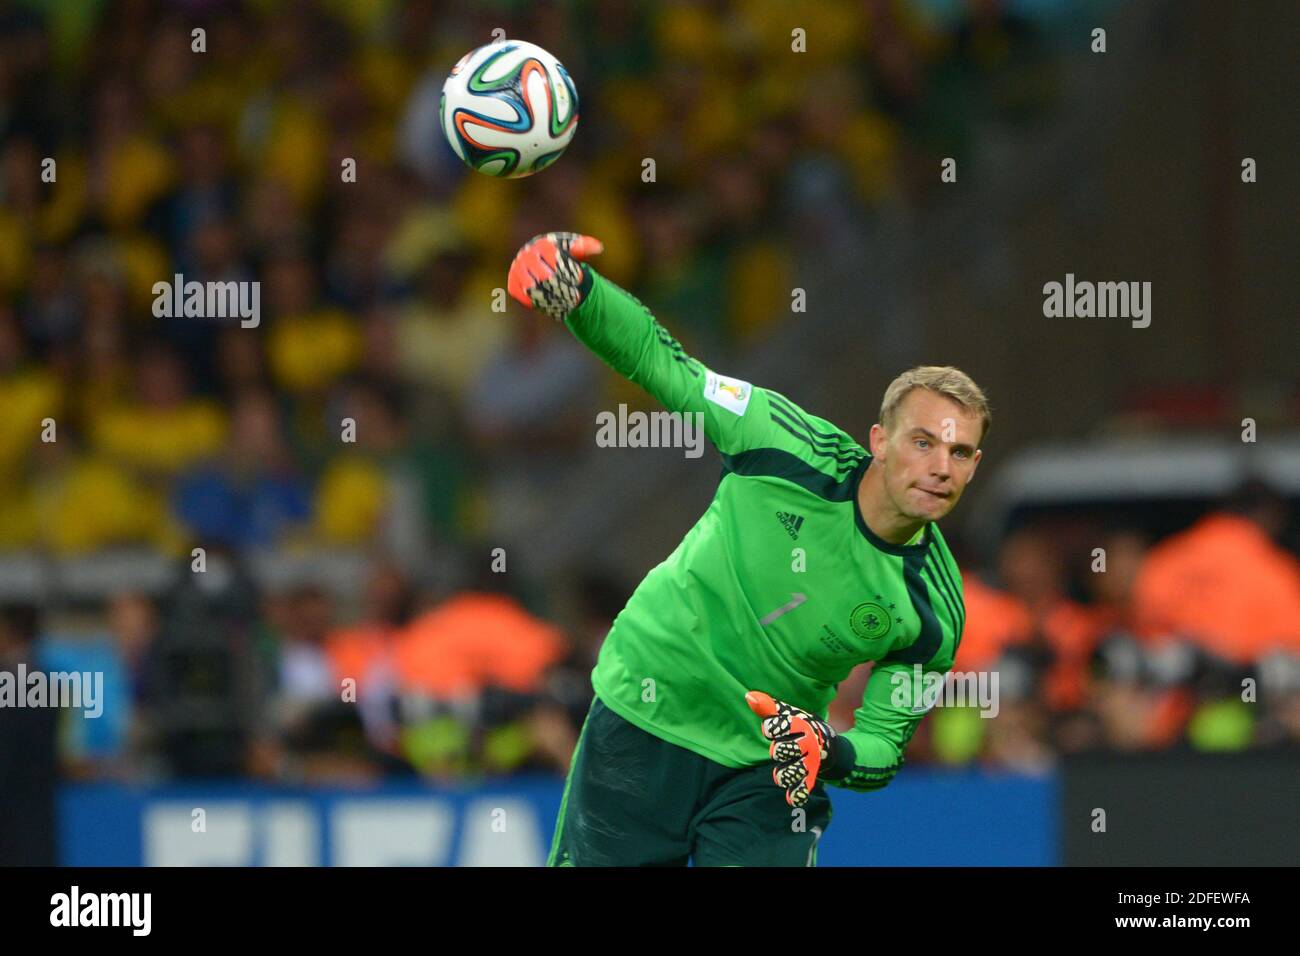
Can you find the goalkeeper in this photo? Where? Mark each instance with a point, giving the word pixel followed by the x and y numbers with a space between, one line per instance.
pixel 707 739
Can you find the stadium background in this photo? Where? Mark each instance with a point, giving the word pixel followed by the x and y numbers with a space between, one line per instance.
pixel 775 171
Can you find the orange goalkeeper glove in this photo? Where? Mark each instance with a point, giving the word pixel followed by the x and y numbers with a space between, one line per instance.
pixel 801 744
pixel 548 275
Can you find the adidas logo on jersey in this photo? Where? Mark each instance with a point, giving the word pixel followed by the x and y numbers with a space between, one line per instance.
pixel 790 522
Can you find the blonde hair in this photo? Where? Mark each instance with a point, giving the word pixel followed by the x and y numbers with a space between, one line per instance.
pixel 949 382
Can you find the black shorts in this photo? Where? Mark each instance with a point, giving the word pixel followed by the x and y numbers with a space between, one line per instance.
pixel 634 799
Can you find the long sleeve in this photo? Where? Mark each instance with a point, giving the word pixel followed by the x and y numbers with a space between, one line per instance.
pixel 882 728
pixel 626 336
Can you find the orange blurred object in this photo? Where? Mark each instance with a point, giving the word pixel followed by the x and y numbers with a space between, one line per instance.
pixel 994 620
pixel 473 640
pixel 353 650
pixel 1226 585
pixel 1073 631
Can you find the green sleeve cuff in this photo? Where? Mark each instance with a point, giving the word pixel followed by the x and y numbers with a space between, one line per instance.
pixel 843 758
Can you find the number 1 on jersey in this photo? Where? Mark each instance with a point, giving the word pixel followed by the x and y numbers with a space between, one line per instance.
pixel 794 602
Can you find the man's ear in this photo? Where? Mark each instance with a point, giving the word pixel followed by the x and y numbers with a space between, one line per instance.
pixel 877 439
pixel 974 465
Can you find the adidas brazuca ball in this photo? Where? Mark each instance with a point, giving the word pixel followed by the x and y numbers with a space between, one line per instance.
pixel 509 109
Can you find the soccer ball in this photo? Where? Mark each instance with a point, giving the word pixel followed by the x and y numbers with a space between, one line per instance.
pixel 509 109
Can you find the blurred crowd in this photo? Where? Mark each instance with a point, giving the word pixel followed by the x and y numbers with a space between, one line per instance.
pixel 380 306
pixel 219 677
pixel 1104 639
pixel 1100 640
pixel 377 295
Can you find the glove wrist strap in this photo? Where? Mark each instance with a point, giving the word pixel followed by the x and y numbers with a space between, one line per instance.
pixel 841 759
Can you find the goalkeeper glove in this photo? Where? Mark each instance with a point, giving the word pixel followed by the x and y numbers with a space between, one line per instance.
pixel 801 744
pixel 547 274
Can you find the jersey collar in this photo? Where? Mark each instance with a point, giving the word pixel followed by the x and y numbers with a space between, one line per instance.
pixel 877 542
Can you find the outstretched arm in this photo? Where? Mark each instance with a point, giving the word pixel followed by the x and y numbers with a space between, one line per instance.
pixel 549 275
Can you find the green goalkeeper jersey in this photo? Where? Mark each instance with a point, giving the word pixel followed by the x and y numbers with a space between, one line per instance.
pixel 780 586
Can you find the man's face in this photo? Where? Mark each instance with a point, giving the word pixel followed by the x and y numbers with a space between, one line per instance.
pixel 929 455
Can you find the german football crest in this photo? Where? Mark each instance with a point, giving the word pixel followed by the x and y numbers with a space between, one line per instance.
pixel 870 621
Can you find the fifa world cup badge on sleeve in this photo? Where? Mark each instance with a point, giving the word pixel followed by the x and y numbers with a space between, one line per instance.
pixel 729 393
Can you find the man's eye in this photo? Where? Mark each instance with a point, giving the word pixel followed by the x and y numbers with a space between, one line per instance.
pixel 960 454
pixel 922 443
